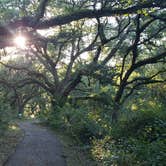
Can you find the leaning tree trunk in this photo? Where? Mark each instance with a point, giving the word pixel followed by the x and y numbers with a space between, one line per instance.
pixel 117 105
pixel 117 101
pixel 20 109
pixel 20 105
pixel 62 91
pixel 116 112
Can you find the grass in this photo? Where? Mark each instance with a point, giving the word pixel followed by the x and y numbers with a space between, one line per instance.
pixel 74 153
pixel 9 141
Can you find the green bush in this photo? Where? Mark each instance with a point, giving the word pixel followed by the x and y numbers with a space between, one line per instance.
pixel 79 122
pixel 148 125
pixel 4 117
pixel 136 141
pixel 6 113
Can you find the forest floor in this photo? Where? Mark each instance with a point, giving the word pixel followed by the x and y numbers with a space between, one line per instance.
pixel 39 147
pixel 8 141
pixel 76 154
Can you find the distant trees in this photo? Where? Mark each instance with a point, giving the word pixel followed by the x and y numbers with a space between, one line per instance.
pixel 16 93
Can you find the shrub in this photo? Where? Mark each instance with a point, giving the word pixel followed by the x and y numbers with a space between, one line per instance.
pixel 147 125
pixel 4 117
pixel 136 141
pixel 79 122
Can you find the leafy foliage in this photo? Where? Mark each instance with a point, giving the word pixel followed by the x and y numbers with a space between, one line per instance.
pixel 5 114
pixel 79 122
pixel 139 140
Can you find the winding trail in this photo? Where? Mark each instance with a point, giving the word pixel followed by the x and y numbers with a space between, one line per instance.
pixel 40 147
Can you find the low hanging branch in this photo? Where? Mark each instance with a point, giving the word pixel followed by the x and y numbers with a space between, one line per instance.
pixel 37 22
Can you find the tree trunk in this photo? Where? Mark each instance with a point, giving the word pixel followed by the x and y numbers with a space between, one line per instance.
pixel 20 109
pixel 117 102
pixel 115 113
pixel 20 106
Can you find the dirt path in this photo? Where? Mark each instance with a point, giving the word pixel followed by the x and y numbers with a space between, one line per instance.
pixel 39 147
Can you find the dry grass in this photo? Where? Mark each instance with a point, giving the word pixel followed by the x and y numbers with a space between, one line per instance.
pixel 74 153
pixel 9 141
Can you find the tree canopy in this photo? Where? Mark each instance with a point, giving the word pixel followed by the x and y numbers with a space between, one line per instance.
pixel 119 43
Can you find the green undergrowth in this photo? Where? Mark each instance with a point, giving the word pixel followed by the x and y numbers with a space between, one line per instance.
pixel 137 139
pixel 74 153
pixel 8 141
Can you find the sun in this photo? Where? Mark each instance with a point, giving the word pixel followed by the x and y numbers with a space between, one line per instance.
pixel 20 41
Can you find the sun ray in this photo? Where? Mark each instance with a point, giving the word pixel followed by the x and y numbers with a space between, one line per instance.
pixel 20 41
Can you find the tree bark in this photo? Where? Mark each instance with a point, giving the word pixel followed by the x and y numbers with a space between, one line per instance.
pixel 116 112
pixel 20 109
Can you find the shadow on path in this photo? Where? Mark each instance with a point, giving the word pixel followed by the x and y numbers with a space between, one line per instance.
pixel 40 147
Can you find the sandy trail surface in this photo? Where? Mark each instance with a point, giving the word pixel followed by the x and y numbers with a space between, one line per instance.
pixel 39 147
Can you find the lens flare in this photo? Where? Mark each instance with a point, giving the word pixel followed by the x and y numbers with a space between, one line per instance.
pixel 20 41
